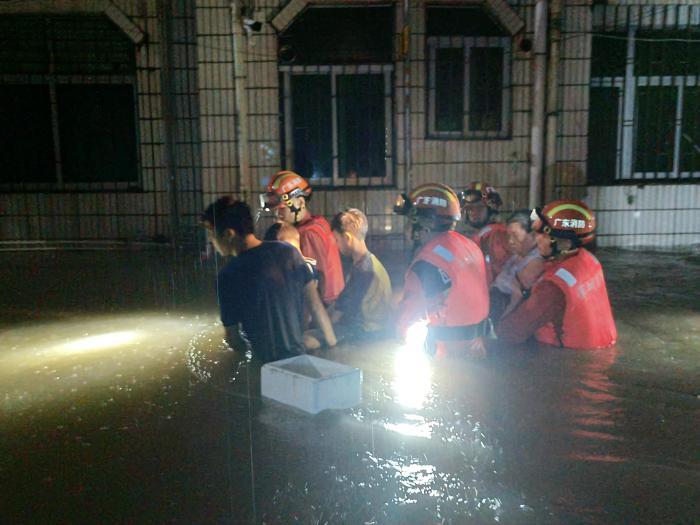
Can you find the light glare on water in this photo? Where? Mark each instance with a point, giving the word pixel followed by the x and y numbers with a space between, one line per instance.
pixel 149 417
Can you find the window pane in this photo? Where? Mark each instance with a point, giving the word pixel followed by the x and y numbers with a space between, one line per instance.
pixel 690 137
pixel 485 88
pixel 602 134
pixel 461 21
pixel 340 35
pixel 97 133
pixel 608 55
pixel 23 45
pixel 361 142
pixel 667 53
pixel 449 89
pixel 312 135
pixel 81 45
pixel 655 129
pixel 27 152
pixel 90 44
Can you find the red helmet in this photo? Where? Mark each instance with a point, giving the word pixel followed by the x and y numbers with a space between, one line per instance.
pixel 430 201
pixel 565 219
pixel 283 187
pixel 481 192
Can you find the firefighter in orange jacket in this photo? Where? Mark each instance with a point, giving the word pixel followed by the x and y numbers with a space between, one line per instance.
pixel 287 196
pixel 480 204
pixel 445 285
pixel 568 306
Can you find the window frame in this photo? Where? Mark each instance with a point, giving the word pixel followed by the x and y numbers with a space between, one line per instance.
pixel 466 43
pixel 53 80
pixel 336 181
pixel 628 122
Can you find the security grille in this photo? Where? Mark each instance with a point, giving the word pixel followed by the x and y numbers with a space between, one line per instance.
pixel 645 95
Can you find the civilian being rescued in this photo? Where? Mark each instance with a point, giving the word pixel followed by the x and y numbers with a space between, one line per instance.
pixel 261 290
pixel 568 306
pixel 362 309
pixel 288 195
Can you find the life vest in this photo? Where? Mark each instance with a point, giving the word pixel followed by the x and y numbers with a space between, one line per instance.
pixel 466 302
pixel 493 241
pixel 330 269
pixel 588 320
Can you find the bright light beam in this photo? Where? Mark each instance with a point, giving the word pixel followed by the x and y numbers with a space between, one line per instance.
pixel 412 369
pixel 96 342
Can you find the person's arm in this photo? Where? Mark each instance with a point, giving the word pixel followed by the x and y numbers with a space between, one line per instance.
pixel 424 290
pixel 349 302
pixel 234 339
pixel 524 280
pixel 318 312
pixel 528 276
pixel 412 307
pixel 545 304
pixel 229 306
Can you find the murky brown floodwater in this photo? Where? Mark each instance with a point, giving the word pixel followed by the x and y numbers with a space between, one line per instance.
pixel 119 404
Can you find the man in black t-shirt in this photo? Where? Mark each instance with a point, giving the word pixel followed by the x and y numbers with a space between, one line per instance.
pixel 262 289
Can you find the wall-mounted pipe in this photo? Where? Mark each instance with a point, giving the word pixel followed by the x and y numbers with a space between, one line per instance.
pixel 244 183
pixel 550 157
pixel 167 97
pixel 538 104
pixel 406 51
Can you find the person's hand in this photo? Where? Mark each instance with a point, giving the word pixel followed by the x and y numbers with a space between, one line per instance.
pixel 477 350
pixel 311 343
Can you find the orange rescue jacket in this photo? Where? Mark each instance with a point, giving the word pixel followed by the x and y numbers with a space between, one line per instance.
pixel 316 241
pixel 588 320
pixel 493 241
pixel 465 303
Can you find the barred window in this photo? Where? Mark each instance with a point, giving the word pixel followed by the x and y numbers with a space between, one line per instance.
pixel 67 96
pixel 469 58
pixel 336 77
pixel 644 97
pixel 338 123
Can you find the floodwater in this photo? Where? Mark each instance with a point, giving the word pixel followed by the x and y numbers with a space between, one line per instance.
pixel 120 404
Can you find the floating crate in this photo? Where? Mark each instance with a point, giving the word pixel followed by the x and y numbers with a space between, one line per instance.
pixel 312 384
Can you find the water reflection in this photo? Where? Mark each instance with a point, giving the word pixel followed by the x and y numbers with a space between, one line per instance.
pixel 149 418
pixel 594 407
pixel 414 425
pixel 58 360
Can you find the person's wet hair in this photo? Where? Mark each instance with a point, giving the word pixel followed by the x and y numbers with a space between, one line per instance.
pixel 281 231
pixel 352 221
pixel 272 232
pixel 522 217
pixel 226 212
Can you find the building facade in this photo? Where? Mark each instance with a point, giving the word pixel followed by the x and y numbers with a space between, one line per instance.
pixel 125 117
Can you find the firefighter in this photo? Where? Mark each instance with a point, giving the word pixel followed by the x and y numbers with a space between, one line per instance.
pixel 288 195
pixel 568 306
pixel 445 285
pixel 481 204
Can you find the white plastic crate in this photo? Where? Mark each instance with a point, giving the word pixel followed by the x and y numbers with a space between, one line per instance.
pixel 312 384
